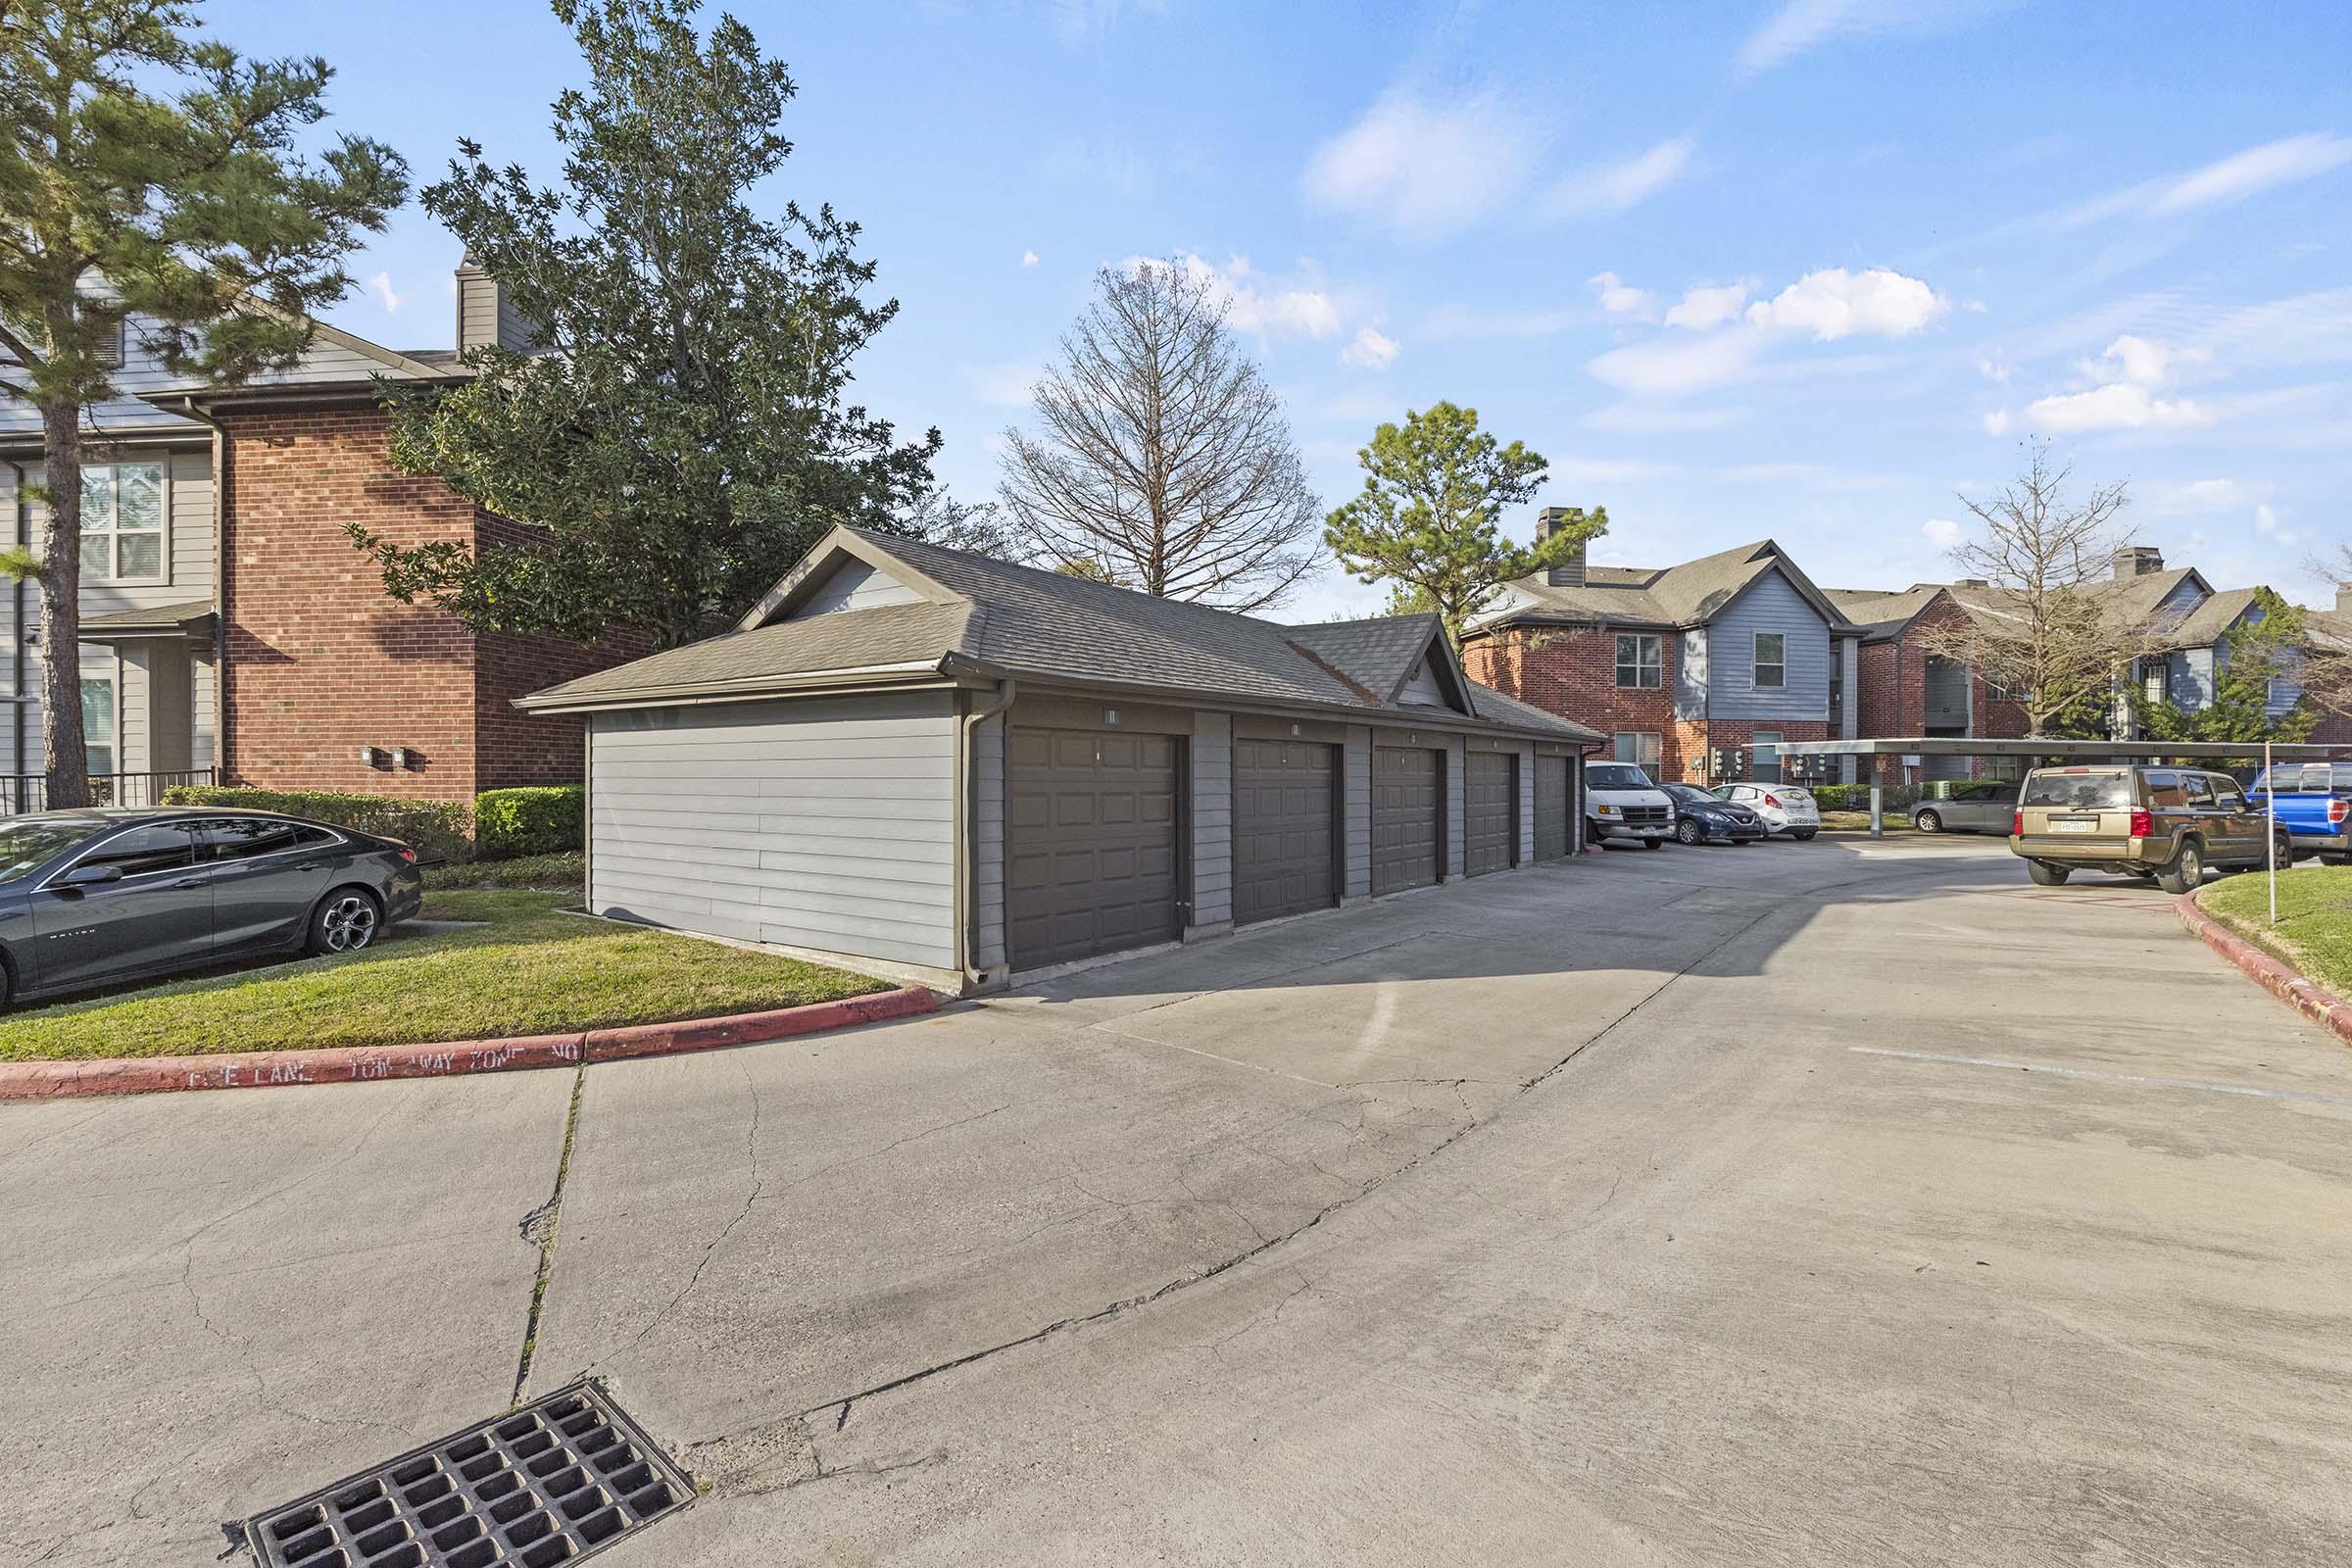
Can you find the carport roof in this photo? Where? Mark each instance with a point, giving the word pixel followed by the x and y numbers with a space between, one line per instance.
pixel 978 616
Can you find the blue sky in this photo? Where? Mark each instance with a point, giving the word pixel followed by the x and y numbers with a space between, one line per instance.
pixel 1802 269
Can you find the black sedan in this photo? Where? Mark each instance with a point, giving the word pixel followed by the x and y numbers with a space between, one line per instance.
pixel 99 896
pixel 1703 818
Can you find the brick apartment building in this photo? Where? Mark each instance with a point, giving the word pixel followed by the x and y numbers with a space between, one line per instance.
pixel 229 627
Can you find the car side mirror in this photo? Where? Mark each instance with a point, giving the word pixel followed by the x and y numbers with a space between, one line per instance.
pixel 90 876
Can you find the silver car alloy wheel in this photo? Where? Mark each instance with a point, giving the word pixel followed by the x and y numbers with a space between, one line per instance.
pixel 348 923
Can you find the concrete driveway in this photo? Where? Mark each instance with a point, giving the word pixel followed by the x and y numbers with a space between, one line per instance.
pixel 1810 1204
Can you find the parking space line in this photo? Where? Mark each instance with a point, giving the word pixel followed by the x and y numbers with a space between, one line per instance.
pixel 2111 1077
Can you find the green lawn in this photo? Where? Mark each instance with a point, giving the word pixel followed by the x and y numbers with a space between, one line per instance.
pixel 1859 822
pixel 526 969
pixel 555 873
pixel 2315 919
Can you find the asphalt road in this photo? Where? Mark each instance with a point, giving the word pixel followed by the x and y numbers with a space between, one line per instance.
pixel 1825 1203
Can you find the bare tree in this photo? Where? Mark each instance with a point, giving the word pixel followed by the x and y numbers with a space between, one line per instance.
pixel 2048 627
pixel 1164 461
pixel 2325 672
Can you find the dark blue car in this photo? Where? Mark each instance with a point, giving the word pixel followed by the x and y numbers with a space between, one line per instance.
pixel 99 896
pixel 2314 805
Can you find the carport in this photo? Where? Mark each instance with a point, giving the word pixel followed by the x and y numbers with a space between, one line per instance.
pixel 2051 751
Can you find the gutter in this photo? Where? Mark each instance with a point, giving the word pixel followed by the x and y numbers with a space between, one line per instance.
pixel 17 653
pixel 968 881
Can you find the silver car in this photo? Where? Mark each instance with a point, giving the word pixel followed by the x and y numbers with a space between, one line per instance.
pixel 1982 805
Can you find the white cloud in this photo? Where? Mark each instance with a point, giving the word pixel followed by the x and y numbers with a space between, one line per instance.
pixel 2257 169
pixel 2204 495
pixel 1370 351
pixel 1604 471
pixel 1647 419
pixel 2266 524
pixel 1993 371
pixel 380 285
pixel 1709 306
pixel 1800 24
pixel 1271 312
pixel 1674 367
pixel 1615 187
pixel 1458 321
pixel 1028 258
pixel 1997 422
pixel 2132 372
pixel 1620 298
pixel 1004 386
pixel 1941 532
pixel 1424 169
pixel 1833 303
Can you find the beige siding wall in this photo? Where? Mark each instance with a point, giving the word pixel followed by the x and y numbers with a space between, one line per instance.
pixel 988 841
pixel 1355 811
pixel 823 823
pixel 1213 818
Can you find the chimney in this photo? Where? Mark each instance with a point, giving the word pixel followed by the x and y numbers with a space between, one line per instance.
pixel 1569 573
pixel 2138 560
pixel 485 316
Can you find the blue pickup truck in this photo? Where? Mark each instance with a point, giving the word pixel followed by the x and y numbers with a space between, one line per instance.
pixel 2314 805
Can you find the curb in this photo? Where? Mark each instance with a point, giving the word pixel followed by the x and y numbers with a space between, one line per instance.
pixel 2281 979
pixel 339 1064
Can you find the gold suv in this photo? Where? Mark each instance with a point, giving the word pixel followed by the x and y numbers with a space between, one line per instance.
pixel 2165 823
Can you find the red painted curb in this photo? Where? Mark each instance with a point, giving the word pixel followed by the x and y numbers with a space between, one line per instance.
pixel 2280 978
pixel 262 1069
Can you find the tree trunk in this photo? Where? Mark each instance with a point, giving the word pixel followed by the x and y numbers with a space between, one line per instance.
pixel 65 754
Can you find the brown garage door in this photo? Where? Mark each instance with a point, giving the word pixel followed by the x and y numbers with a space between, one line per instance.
pixel 1092 864
pixel 1407 792
pixel 1284 795
pixel 1490 818
pixel 1551 808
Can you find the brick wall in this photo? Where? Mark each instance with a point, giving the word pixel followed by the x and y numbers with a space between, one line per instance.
pixel 323 662
pixel 1573 672
pixel 1894 692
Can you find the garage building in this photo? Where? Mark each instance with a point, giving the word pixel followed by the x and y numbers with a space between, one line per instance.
pixel 941 766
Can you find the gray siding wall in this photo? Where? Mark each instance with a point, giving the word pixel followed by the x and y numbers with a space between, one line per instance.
pixel 1456 796
pixel 1213 818
pixel 1423 687
pixel 988 841
pixel 1947 683
pixel 1691 675
pixel 856 585
pixel 1356 809
pixel 1849 655
pixel 828 823
pixel 1771 604
pixel 1526 851
pixel 2191 676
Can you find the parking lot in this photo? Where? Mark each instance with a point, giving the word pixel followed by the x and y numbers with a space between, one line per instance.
pixel 1841 1202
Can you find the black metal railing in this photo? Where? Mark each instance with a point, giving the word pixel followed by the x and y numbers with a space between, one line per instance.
pixel 29 792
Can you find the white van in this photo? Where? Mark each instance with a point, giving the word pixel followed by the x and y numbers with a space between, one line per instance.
pixel 1622 801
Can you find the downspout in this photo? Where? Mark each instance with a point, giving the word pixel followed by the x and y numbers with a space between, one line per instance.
pixel 17 654
pixel 967 906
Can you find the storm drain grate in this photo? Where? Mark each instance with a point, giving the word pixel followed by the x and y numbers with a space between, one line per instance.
pixel 555 1481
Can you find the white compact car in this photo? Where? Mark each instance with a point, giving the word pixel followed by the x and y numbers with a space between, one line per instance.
pixel 1622 801
pixel 1787 809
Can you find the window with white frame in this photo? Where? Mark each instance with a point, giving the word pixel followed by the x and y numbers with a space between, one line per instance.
pixel 1639 746
pixel 2155 679
pixel 101 733
pixel 122 522
pixel 1641 662
pixel 1772 659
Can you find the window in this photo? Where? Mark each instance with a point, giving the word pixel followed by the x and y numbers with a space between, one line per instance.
pixel 2080 788
pixel 2154 679
pixel 244 838
pixel 2226 793
pixel 144 850
pixel 2170 792
pixel 1767 765
pixel 1639 746
pixel 1641 662
pixel 1611 776
pixel 1771 659
pixel 98 733
pixel 122 522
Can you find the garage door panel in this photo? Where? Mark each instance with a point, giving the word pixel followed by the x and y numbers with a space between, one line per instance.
pixel 1092 864
pixel 1407 794
pixel 1490 817
pixel 1553 814
pixel 1285 801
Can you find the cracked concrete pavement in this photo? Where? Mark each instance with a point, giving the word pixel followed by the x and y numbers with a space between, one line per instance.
pixel 1824 1203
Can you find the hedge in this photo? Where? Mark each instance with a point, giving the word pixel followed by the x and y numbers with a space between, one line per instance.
pixel 547 820
pixel 432 827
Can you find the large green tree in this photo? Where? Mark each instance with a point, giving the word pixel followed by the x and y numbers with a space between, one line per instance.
pixel 2264 646
pixel 152 205
pixel 679 432
pixel 1428 520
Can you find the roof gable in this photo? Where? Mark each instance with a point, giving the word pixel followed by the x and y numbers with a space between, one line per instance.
pixel 844 550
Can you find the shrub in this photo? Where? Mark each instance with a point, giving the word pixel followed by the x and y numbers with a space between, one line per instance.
pixel 432 827
pixel 548 820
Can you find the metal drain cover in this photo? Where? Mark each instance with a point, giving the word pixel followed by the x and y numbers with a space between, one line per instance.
pixel 553 1482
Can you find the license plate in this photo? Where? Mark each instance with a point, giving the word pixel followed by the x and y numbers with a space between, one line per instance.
pixel 2074 827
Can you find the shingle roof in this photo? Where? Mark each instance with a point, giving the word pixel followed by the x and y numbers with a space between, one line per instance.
pixel 1883 613
pixel 1683 595
pixel 2213 618
pixel 1025 622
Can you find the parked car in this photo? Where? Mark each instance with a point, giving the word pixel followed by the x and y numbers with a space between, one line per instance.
pixel 2314 804
pixel 1986 806
pixel 1700 818
pixel 1623 802
pixel 1783 807
pixel 98 897
pixel 2163 823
